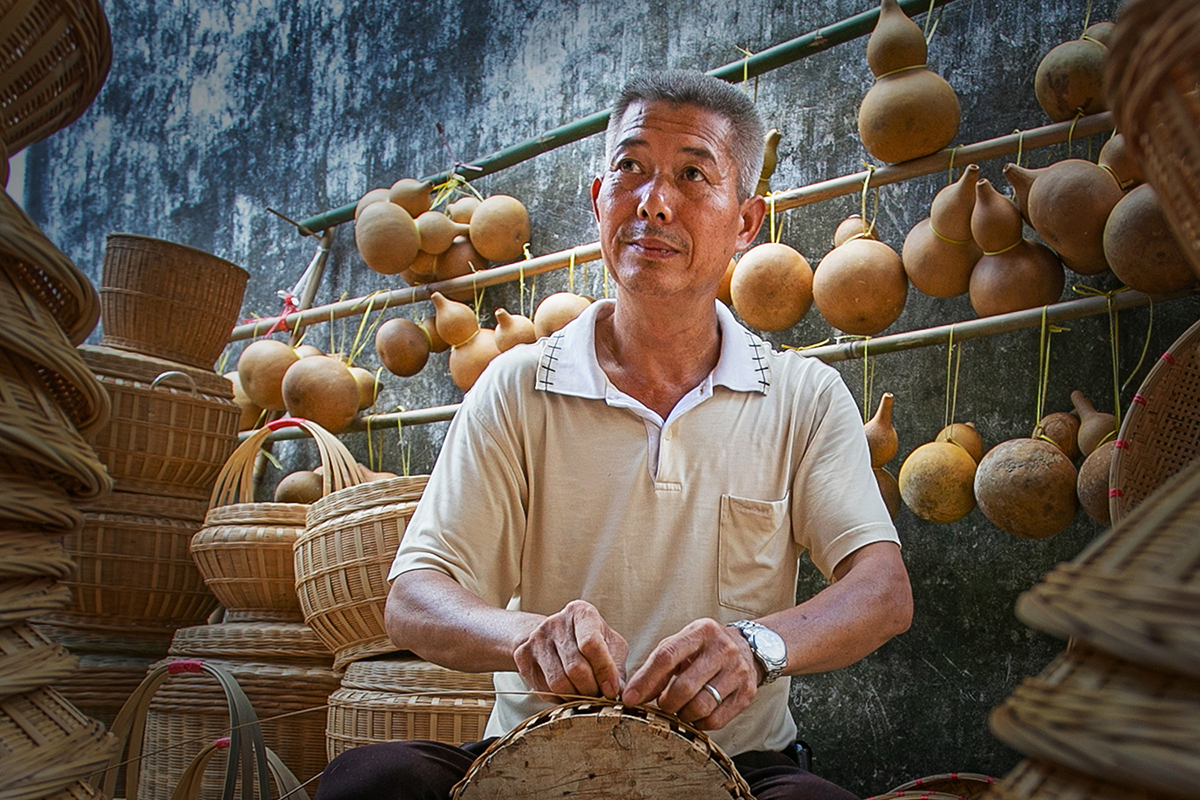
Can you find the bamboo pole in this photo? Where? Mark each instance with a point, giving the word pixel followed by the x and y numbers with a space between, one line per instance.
pixel 1035 138
pixel 750 67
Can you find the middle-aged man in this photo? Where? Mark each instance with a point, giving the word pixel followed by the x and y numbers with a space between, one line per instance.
pixel 619 509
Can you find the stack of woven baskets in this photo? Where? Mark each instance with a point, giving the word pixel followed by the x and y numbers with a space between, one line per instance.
pixel 54 57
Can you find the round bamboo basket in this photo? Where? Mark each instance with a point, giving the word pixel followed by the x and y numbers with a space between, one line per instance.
pixel 165 434
pixel 403 698
pixel 46 745
pixel 168 300
pixel 28 256
pixel 1035 779
pixel 962 785
pixel 290 642
pixel 244 550
pixel 30 553
pixel 1161 432
pixel 1135 591
pixel 29 660
pixel 35 503
pixel 56 55
pixel 342 561
pixel 134 563
pixel 1153 73
pixel 1091 712
pixel 24 598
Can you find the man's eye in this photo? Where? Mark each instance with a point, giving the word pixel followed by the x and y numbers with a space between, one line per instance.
pixel 627 165
pixel 693 174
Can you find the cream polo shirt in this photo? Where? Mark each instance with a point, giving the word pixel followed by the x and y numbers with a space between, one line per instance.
pixel 552 485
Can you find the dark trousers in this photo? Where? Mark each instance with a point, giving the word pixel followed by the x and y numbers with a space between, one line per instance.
pixel 420 770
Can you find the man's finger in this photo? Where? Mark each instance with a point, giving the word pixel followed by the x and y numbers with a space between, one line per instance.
pixel 595 647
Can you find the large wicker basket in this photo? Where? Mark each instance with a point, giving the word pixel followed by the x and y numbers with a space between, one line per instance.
pixel 342 562
pixel 244 550
pixel 54 57
pixel 1161 432
pixel 168 300
pixel 30 553
pixel 1154 90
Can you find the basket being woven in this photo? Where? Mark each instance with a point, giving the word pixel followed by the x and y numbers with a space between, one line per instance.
pixel 1153 76
pixel 1090 712
pixel 244 550
pixel 1161 431
pixel 1135 591
pixel 342 561
pixel 168 300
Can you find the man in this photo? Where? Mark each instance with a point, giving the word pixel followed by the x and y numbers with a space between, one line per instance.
pixel 619 509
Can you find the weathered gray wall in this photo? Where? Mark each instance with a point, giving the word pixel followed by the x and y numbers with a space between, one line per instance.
pixel 214 112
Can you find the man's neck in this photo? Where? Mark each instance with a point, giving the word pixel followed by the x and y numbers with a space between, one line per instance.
pixel 658 352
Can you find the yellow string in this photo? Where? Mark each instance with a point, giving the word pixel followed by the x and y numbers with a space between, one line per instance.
pixel 929 16
pixel 604 278
pixel 947 414
pixel 1087 15
pixel 571 271
pixel 947 239
pixel 774 233
pixel 1145 348
pixel 803 347
pixel 897 71
pixel 1044 363
pixel 1113 341
pixel 868 228
pixel 950 172
pixel 1071 131
pixel 1004 250
pixel 1020 144
pixel 868 379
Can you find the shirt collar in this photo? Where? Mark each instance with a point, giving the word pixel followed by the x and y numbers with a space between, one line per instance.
pixel 569 366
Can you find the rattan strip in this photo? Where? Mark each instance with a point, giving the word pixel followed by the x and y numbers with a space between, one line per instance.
pixel 1035 779
pixel 359 717
pixel 276 641
pixel 388 491
pixel 29 660
pixel 57 54
pixel 46 744
pixel 34 503
pixel 31 554
pixel 31 333
pixel 23 598
pixel 1109 718
pixel 413 675
pixel 27 255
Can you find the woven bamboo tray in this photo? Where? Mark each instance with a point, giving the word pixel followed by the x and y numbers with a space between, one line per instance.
pixel 168 300
pixel 56 55
pixel 1034 779
pixel 1153 77
pixel 1161 431
pixel 164 434
pixel 102 683
pixel 46 745
pixel 1134 592
pixel 962 785
pixel 31 554
pixel 25 598
pixel 244 550
pixel 28 256
pixel 1109 718
pixel 29 660
pixel 134 562
pixel 342 561
pixel 32 503
pixel 31 333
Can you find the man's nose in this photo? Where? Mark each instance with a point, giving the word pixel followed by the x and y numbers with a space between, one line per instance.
pixel 657 199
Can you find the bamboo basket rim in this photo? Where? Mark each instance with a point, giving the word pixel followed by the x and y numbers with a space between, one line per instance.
pixel 364 496
pixel 29 660
pixel 85 634
pixel 123 503
pixel 144 369
pixel 946 783
pixel 409 674
pixel 270 641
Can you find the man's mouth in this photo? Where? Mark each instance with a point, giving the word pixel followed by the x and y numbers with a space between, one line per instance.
pixel 654 244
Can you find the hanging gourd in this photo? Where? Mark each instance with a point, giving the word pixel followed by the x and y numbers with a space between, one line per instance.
pixel 556 310
pixel 1026 487
pixel 1068 204
pixel 386 237
pixel 770 161
pixel 909 111
pixel 1115 155
pixel 499 228
pixel 882 440
pixel 772 287
pixel 402 346
pixel 936 482
pixel 965 436
pixel 853 227
pixel 321 389
pixel 1014 273
pixel 261 368
pixel 1070 78
pixel 1093 483
pixel 469 359
pixel 512 330
pixel 860 287
pixel 456 322
pixel 1062 428
pixel 939 252
pixel 1142 249
pixel 1094 426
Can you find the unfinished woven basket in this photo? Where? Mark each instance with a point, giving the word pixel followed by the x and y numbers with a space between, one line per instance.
pixel 342 561
pixel 1153 73
pixel 46 744
pixel 244 550
pixel 1161 432
pixel 168 300
pixel 1091 712
pixel 28 256
pixel 29 660
pixel 1035 779
pixel 1134 592
pixel 165 434
pixel 56 55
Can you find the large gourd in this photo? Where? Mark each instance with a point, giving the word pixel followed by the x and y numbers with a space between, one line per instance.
pixel 387 237
pixel 1070 78
pixel 860 287
pixel 1068 204
pixel 936 482
pixel 771 287
pixel 939 253
pixel 1142 249
pixel 1026 487
pixel 910 111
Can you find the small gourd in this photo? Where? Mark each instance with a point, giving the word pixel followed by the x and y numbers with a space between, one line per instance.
pixel 469 359
pixel 965 436
pixel 1094 426
pixel 368 387
pixel 412 195
pixel 556 310
pixel 512 330
pixel 1062 428
pixel 882 439
pixel 889 490
pixel 860 287
pixel 853 227
pixel 437 231
pixel 1070 79
pixel 460 259
pixel 939 252
pixel 770 160
pixel 1116 156
pixel 456 322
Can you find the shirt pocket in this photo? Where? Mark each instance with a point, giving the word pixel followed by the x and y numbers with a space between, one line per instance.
pixel 756 557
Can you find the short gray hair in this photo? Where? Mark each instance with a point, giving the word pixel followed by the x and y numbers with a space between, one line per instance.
pixel 692 88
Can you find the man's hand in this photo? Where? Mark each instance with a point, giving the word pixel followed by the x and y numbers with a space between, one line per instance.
pixel 574 652
pixel 705 653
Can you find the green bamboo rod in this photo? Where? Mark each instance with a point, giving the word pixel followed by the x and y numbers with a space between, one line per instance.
pixel 750 67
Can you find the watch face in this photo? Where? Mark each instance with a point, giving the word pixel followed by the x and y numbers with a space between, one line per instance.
pixel 770 645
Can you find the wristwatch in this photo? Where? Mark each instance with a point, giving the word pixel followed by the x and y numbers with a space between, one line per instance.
pixel 767 645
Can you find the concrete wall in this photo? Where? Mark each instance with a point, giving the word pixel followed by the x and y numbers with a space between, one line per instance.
pixel 215 112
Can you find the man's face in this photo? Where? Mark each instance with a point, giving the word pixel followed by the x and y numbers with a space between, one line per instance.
pixel 667 204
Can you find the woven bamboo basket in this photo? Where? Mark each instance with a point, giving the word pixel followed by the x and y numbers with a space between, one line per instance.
pixel 26 598
pixel 1153 77
pixel 403 698
pixel 134 563
pixel 962 785
pixel 46 745
pixel 87 634
pixel 28 256
pixel 168 300
pixel 29 660
pixel 244 550
pixel 342 561
pixel 290 642
pixel 34 503
pixel 167 434
pixel 30 553
pixel 102 683
pixel 1035 779
pixel 1109 718
pixel 1161 431
pixel 56 55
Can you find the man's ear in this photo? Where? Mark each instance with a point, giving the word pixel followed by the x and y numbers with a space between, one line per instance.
pixel 753 212
pixel 595 194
